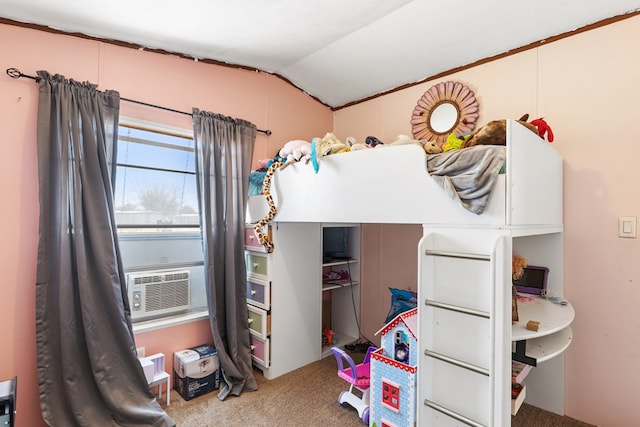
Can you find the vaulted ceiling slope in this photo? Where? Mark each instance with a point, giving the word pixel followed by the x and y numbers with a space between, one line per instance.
pixel 338 51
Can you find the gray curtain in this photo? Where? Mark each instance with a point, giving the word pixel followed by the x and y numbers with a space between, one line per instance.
pixel 88 372
pixel 224 148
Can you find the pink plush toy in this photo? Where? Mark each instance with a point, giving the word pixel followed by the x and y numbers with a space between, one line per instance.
pixel 294 151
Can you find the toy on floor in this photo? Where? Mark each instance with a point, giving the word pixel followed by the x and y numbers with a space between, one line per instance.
pixel 393 373
pixel 358 377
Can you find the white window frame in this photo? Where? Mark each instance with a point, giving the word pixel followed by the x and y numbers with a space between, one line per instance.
pixel 172 320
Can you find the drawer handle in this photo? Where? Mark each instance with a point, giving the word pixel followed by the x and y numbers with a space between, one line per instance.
pixel 250 320
pixel 255 265
pixel 251 237
pixel 253 347
pixel 253 292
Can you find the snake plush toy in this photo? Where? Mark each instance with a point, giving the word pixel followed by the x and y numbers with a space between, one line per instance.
pixel 265 238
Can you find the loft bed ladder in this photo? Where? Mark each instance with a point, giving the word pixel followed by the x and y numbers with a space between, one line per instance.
pixel 464 333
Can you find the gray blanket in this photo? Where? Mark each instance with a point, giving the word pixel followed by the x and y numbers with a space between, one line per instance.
pixel 468 174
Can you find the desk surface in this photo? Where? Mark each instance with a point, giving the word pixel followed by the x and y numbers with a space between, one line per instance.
pixel 552 317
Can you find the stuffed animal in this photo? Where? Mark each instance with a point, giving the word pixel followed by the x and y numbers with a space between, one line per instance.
pixel 431 147
pixel 264 164
pixel 495 132
pixel 329 144
pixel 543 129
pixel 402 140
pixel 518 264
pixel 294 151
pixel 325 146
pixel 354 145
pixel 373 142
pixel 454 143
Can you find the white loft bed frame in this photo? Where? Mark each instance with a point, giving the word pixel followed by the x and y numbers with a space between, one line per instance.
pixel 392 185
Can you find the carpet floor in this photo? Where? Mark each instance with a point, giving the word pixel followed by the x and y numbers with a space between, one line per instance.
pixel 305 397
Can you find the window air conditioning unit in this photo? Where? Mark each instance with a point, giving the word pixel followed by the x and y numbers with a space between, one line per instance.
pixel 158 293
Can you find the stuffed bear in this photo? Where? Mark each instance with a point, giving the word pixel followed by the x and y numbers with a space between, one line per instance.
pixel 329 144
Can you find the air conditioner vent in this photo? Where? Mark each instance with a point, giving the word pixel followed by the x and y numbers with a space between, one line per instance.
pixel 155 293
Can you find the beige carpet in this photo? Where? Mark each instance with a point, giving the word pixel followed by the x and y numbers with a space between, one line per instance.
pixel 305 397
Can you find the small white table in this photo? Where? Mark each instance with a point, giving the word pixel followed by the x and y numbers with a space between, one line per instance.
pixel 160 378
pixel 155 374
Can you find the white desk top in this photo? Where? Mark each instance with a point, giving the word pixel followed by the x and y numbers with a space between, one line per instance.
pixel 552 317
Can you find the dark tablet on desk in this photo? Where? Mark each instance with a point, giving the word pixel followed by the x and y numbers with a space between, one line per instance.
pixel 533 281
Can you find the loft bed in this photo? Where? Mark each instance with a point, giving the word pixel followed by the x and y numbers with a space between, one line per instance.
pixel 392 185
pixel 465 332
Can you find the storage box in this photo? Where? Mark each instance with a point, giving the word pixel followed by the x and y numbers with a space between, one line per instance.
pixel 196 371
pixel 518 394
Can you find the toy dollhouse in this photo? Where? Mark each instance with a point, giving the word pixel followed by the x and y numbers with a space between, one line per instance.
pixel 393 373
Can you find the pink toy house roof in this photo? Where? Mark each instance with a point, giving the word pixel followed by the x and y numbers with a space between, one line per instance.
pixel 409 318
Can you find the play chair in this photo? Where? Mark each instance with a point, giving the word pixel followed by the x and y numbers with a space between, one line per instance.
pixel 357 376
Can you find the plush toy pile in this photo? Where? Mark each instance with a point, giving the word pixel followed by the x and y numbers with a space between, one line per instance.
pixel 495 132
pixel 299 150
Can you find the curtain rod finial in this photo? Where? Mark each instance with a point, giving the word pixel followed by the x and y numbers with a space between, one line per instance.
pixel 14 73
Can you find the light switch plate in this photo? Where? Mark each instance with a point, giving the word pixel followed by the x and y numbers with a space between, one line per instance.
pixel 627 227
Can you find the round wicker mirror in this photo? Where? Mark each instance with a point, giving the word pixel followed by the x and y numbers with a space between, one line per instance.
pixel 445 108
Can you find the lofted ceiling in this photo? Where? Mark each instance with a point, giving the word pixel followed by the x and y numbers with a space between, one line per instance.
pixel 338 51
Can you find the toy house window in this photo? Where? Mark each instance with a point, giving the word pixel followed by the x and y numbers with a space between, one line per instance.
pixel 391 395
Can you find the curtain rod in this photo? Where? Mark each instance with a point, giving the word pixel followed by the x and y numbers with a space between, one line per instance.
pixel 14 73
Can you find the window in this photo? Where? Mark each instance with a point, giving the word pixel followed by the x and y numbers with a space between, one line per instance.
pixel 391 395
pixel 156 209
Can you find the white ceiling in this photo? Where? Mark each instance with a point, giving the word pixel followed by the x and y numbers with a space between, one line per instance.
pixel 339 51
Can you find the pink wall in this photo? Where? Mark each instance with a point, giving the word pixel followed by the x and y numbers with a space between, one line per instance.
pixel 170 81
pixel 587 87
pixel 389 260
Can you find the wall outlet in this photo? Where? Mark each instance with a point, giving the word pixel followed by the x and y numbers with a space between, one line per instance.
pixel 141 351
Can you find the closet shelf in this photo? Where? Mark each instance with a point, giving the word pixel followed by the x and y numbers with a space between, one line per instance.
pixel 335 262
pixel 327 286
